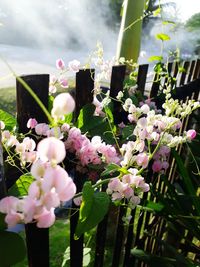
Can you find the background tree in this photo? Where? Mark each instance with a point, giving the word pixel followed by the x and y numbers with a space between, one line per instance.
pixel 193 26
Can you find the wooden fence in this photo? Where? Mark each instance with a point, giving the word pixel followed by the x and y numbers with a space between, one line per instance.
pixel 124 239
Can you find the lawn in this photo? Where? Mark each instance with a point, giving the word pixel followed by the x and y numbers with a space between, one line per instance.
pixel 8 99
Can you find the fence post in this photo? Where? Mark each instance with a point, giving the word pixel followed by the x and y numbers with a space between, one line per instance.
pixel 84 95
pixel 2 181
pixel 37 239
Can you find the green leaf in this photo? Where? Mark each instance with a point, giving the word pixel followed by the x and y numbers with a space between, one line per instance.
pixel 86 257
pixel 93 209
pixel 12 248
pixel 167 22
pixel 153 260
pixel 20 188
pixel 157 207
pixel 66 256
pixel 111 168
pixel 127 132
pixel 162 37
pixel 95 125
pixel 68 118
pixel 86 206
pixel 8 119
pixel 155 58
pixel 186 179
pixel 157 12
pixel 86 113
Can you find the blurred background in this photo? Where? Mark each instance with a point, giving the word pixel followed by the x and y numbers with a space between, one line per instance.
pixel 34 33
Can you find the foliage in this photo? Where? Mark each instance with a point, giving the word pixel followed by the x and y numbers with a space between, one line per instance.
pixel 193 23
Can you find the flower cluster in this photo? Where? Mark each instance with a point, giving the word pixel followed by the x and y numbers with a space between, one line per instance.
pixel 51 186
pixel 128 187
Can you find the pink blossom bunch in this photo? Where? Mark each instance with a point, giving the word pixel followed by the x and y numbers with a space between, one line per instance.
pixel 161 158
pixel 129 187
pixel 94 151
pixel 52 186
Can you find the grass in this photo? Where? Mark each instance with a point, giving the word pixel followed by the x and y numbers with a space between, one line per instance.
pixel 59 241
pixel 8 100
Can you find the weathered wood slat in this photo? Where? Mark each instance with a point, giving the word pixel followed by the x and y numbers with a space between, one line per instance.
pixel 83 96
pixel 184 74
pixel 142 77
pixel 37 240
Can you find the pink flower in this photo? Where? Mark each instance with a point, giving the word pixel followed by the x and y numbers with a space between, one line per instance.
pixel 52 89
pixel 41 129
pixel 191 134
pixel 34 190
pixel 74 65
pixel 29 143
pixel 51 149
pixel 63 83
pixel 29 156
pixel 8 203
pixel 135 200
pixel 77 201
pixel 31 123
pixel 63 104
pixel 13 218
pixel 128 192
pixel 38 169
pixel 50 199
pixel 142 160
pixel 45 219
pixel 29 209
pixel 157 166
pixel 52 85
pixel 65 127
pixel 60 64
pixel 58 178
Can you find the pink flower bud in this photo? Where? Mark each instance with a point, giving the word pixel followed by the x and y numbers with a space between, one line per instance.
pixel 60 64
pixel 74 65
pixel 157 166
pixel 191 134
pixel 63 104
pixel 51 149
pixel 52 89
pixel 77 201
pixel 31 123
pixel 41 129
pixel 63 83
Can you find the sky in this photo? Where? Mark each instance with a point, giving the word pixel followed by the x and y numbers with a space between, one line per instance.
pixel 186 8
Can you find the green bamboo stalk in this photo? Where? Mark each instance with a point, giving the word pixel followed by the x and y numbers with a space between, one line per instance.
pixel 128 45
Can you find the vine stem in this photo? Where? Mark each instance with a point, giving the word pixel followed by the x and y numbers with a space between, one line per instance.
pixel 98 184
